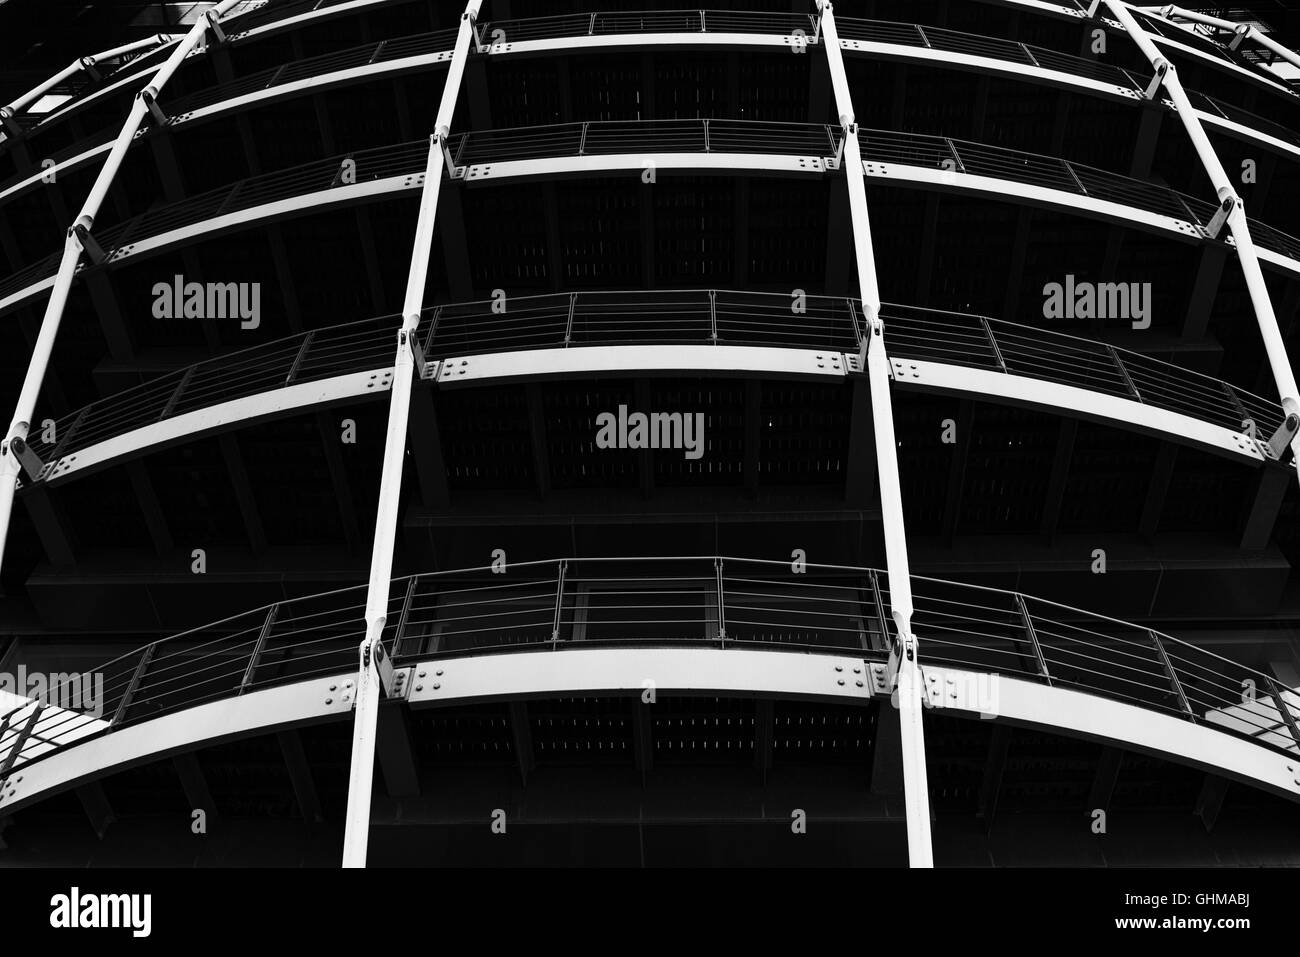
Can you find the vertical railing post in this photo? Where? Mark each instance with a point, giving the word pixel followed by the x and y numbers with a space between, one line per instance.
pixel 427 349
pixel 582 143
pixel 560 574
pixel 21 739
pixel 298 357
pixel 881 619
pixel 722 610
pixel 400 630
pixel 993 344
pixel 706 135
pixel 175 397
pixel 568 326
pixel 255 658
pixel 1123 373
pixel 1069 168
pixel 1238 407
pixel 1172 675
pixel 713 315
pixel 1032 634
pixel 956 157
pixel 146 656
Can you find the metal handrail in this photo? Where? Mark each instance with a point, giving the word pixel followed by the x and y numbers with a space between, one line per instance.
pixel 553 605
pixel 665 317
pixel 641 137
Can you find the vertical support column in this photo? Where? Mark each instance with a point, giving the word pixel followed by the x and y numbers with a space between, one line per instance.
pixel 1233 210
pixel 904 667
pixel 361 774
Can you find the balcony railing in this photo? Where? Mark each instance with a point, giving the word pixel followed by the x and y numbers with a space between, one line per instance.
pixel 952 41
pixel 707 601
pixel 703 317
pixel 646 21
pixel 644 138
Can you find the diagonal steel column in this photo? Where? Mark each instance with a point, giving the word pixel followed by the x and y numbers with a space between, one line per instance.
pixel 361 776
pixel 1233 210
pixel 904 666
pixel 79 238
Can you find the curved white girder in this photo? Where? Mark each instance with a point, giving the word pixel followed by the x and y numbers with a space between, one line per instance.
pixel 670 671
pixel 901 52
pixel 675 359
pixel 696 163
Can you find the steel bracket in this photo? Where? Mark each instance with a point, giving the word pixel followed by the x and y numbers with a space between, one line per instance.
pixel 89 245
pixel 1281 439
pixel 30 461
pixel 1215 226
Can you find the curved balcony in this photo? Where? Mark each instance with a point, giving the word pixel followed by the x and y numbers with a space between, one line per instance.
pixel 392 57
pixel 299 78
pixel 703 331
pixel 953 49
pixel 694 146
pixel 265 20
pixel 702 624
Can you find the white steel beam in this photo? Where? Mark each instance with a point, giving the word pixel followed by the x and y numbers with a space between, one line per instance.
pixel 904 667
pixel 1235 210
pixel 361 775
pixel 78 237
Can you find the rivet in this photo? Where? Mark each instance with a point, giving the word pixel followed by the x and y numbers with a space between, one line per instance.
pixel 419 687
pixel 840 681
pixel 329 700
pixel 859 684
pixel 952 694
pixel 436 686
pixel 332 687
pixel 839 667
pixel 438 672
